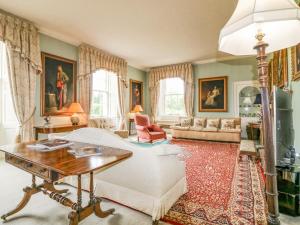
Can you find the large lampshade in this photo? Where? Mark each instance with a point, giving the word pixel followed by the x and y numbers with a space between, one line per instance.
pixel 279 20
pixel 75 107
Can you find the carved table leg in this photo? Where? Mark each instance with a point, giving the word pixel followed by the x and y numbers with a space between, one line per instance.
pixel 50 187
pixel 97 209
pixel 73 217
pixel 155 222
pixel 29 191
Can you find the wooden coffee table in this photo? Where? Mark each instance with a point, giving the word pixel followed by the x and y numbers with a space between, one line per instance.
pixel 54 165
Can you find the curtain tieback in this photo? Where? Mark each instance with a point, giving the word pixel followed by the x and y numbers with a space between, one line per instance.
pixel 28 119
pixel 18 138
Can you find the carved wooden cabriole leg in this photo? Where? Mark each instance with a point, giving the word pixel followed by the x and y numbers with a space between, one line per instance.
pixel 29 191
pixel 98 211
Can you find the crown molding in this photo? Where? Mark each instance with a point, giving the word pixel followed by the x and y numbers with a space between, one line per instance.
pixel 219 59
pixel 59 36
pixel 72 41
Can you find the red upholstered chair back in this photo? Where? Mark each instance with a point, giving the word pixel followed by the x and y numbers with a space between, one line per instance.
pixel 142 120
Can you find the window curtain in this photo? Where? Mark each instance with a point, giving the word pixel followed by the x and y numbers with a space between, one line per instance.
pixel 183 71
pixel 24 61
pixel 91 60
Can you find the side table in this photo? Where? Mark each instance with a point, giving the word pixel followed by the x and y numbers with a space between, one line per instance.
pixel 56 129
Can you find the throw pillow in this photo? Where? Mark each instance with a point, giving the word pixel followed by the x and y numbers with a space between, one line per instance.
pixel 186 122
pixel 212 123
pixel 227 124
pixel 199 122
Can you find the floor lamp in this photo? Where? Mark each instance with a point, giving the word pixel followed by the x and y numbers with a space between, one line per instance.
pixel 276 21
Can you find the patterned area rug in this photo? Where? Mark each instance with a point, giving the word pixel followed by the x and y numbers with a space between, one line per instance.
pixel 222 188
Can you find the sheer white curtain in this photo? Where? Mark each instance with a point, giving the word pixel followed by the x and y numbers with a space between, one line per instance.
pixel 8 121
pixel 183 71
pixel 92 59
pixel 105 96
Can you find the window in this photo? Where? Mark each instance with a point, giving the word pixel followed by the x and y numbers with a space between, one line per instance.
pixel 171 100
pixel 7 116
pixel 105 95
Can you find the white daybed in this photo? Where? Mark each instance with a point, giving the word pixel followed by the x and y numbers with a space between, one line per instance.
pixel 150 181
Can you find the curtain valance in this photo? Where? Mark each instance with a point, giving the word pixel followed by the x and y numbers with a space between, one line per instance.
pixel 183 71
pixel 22 37
pixel 92 59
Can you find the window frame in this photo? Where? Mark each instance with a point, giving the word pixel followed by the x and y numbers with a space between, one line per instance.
pixel 162 101
pixel 110 95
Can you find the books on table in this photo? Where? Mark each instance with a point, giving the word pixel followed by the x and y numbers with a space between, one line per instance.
pixel 50 145
pixel 75 148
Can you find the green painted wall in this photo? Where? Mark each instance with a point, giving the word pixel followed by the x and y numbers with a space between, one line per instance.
pixel 60 48
pixel 237 70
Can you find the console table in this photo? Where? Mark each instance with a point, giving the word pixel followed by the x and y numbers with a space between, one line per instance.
pixel 54 165
pixel 56 129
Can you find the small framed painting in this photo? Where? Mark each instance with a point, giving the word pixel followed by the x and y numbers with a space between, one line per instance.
pixel 296 62
pixel 58 85
pixel 280 68
pixel 213 94
pixel 136 94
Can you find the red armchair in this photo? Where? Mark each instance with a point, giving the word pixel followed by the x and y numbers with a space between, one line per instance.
pixel 147 131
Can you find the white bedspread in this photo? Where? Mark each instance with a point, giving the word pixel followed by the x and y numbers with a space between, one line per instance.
pixel 149 181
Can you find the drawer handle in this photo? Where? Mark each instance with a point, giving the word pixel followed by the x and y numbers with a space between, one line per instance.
pixel 29 165
pixel 43 170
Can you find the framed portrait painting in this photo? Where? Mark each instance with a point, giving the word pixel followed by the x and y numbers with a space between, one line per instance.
pixel 136 94
pixel 296 62
pixel 213 94
pixel 58 84
pixel 280 68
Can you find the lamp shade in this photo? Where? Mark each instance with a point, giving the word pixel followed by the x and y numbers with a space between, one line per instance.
pixel 279 20
pixel 75 107
pixel 138 108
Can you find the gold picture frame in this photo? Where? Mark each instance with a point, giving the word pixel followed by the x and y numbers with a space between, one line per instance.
pixel 295 53
pixel 136 94
pixel 270 76
pixel 53 101
pixel 280 68
pixel 213 94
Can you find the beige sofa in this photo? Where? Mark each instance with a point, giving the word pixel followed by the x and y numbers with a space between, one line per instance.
pixel 204 132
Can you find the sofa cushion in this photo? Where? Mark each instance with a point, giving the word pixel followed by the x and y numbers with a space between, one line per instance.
pixel 186 122
pixel 235 130
pixel 179 128
pixel 199 122
pixel 212 123
pixel 227 124
pixel 199 128
pixel 214 129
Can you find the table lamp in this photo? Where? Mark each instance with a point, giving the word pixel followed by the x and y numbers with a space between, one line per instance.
pixel 277 22
pixel 75 108
pixel 138 109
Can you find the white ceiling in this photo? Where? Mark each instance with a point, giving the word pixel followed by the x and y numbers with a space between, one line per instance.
pixel 146 33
